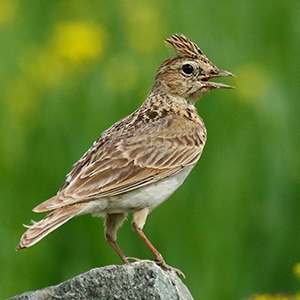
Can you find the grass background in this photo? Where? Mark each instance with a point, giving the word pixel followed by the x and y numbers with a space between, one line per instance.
pixel 70 69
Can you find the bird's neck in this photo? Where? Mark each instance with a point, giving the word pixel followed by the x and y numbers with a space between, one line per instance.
pixel 172 104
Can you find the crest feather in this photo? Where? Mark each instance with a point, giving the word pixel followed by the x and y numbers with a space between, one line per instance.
pixel 183 46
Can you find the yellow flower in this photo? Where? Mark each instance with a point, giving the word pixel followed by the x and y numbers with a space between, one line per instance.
pixel 297 270
pixel 78 42
pixel 272 297
pixel 8 11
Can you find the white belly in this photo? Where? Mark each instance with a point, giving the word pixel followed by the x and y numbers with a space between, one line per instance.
pixel 149 196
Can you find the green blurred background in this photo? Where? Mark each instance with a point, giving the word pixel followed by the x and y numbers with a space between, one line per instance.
pixel 70 69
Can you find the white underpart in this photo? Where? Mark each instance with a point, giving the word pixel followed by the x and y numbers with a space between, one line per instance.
pixel 149 196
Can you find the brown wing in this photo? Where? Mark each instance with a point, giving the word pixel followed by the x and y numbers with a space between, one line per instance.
pixel 154 151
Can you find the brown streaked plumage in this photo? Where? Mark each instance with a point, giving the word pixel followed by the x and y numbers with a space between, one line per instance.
pixel 141 160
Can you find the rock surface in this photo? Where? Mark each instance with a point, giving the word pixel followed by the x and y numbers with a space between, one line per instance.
pixel 139 280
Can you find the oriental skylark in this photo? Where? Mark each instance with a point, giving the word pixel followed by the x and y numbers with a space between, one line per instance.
pixel 138 162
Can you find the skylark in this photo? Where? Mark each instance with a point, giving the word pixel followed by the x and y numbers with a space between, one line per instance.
pixel 138 163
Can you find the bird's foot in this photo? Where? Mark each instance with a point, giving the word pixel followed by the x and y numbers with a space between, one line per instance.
pixel 161 262
pixel 134 259
pixel 138 259
pixel 167 267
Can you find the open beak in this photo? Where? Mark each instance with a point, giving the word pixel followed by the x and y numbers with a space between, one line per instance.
pixel 216 85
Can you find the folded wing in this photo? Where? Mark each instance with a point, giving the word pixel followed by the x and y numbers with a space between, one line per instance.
pixel 110 167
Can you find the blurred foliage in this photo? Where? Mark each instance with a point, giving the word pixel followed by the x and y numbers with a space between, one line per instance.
pixel 280 296
pixel 70 69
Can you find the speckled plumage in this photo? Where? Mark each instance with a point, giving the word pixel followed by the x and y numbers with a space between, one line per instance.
pixel 141 160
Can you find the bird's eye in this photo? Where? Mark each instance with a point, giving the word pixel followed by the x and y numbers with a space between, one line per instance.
pixel 187 69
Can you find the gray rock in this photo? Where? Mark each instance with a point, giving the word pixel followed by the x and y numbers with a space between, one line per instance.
pixel 139 280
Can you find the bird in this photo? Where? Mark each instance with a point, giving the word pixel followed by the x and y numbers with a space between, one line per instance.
pixel 137 163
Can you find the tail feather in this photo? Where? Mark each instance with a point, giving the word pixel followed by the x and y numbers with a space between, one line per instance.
pixel 52 220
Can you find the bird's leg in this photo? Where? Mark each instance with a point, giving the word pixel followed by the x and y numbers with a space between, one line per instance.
pixel 112 224
pixel 138 222
pixel 116 248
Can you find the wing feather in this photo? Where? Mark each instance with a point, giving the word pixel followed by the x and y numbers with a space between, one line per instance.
pixel 119 165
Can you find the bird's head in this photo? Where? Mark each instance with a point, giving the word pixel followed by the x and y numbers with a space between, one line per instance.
pixel 187 75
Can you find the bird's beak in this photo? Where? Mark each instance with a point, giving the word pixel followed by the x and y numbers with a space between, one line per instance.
pixel 216 85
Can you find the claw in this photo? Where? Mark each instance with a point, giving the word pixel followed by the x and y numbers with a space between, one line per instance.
pixel 169 268
pixel 134 259
pixel 160 262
